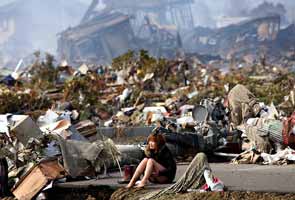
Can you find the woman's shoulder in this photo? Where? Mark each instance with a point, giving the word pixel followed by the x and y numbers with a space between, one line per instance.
pixel 166 155
pixel 165 150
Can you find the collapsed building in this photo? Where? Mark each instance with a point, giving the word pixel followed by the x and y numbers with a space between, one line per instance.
pixel 165 12
pixel 268 9
pixel 97 40
pixel 149 25
pixel 248 37
pixel 165 29
pixel 286 40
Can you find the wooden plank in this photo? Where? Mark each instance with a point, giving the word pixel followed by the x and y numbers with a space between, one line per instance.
pixel 31 185
pixel 52 170
pixel 37 178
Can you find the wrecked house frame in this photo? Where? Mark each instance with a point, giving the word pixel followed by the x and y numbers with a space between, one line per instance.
pixel 98 40
pixel 104 35
pixel 246 37
pixel 166 12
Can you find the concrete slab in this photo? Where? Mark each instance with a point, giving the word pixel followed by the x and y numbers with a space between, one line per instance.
pixel 254 178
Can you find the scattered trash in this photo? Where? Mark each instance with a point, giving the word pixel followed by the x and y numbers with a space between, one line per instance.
pixel 70 114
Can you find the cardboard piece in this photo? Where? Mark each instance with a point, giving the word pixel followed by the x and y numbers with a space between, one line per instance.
pixel 37 178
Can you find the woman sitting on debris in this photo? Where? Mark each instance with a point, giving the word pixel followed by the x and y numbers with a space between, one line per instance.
pixel 158 166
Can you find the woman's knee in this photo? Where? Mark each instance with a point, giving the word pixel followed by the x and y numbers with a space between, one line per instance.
pixel 150 161
pixel 145 160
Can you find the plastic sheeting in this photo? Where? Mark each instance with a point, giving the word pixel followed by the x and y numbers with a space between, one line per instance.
pixel 83 158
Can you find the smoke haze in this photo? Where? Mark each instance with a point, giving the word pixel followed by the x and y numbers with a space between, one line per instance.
pixel 207 12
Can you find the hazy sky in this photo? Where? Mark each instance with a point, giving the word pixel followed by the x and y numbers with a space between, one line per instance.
pixel 206 10
pixel 2 2
pixel 215 5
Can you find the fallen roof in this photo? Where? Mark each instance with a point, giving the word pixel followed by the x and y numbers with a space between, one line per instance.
pixel 247 23
pixel 95 25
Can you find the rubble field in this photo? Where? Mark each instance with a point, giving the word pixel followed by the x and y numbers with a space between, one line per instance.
pixel 80 123
pixel 138 71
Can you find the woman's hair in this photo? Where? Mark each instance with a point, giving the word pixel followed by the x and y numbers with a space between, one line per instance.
pixel 158 139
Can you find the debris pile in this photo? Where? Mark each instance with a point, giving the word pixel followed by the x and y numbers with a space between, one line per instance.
pixel 61 116
pixel 41 153
pixel 66 121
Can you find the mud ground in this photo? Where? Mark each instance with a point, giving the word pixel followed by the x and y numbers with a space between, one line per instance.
pixel 107 193
pixel 136 194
